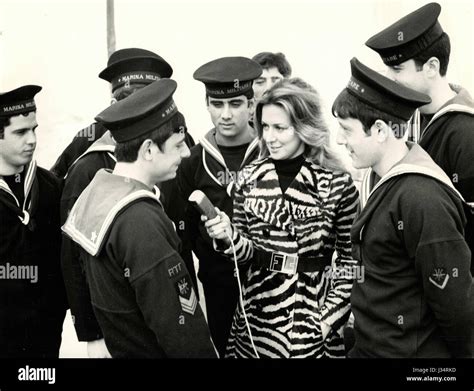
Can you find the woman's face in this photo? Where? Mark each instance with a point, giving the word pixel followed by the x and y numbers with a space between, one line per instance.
pixel 279 135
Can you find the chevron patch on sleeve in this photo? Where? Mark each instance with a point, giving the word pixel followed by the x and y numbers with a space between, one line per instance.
pixel 439 278
pixel 187 297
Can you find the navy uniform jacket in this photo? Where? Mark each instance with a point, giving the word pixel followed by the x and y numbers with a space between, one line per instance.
pixel 100 155
pixel 79 144
pixel 31 313
pixel 416 299
pixel 206 170
pixel 141 291
pixel 449 139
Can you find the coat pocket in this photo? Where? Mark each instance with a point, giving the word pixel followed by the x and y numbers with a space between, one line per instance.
pixel 306 213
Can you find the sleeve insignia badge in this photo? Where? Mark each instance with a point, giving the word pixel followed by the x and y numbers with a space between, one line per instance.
pixel 187 297
pixel 439 278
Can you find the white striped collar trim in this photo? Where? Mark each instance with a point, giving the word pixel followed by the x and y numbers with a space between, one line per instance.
pixel 110 149
pixel 93 246
pixel 456 107
pixel 414 127
pixel 216 154
pixel 4 186
pixel 253 145
pixel 406 168
pixel 213 151
pixel 398 170
pixel 29 178
pixel 208 147
pixel 365 188
pixel 208 170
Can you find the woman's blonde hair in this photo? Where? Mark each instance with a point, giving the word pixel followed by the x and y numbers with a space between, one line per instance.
pixel 303 105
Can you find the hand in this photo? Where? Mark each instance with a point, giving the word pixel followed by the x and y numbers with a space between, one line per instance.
pixel 97 349
pixel 220 227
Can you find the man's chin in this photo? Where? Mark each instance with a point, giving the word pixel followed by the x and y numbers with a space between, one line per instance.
pixel 169 176
pixel 24 161
pixel 228 132
pixel 13 168
pixel 358 164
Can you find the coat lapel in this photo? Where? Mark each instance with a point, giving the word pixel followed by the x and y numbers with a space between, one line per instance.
pixel 301 201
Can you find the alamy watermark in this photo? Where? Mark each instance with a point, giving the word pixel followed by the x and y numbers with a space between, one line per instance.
pixel 356 273
pixel 227 177
pixel 88 132
pixel 19 272
pixel 399 130
pixel 37 374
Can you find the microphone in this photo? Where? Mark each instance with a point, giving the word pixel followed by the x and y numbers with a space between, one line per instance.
pixel 203 204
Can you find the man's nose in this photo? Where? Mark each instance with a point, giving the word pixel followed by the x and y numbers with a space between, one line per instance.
pixel 31 137
pixel 186 152
pixel 340 139
pixel 226 112
pixel 268 84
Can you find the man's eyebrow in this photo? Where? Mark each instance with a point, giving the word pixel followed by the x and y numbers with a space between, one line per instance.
pixel 23 129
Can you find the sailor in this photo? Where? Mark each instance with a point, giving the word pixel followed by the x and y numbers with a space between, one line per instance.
pixel 213 168
pixel 143 296
pixel 32 297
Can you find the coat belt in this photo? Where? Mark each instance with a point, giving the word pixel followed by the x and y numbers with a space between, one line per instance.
pixel 290 263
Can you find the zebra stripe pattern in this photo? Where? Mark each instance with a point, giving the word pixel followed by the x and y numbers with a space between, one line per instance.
pixel 312 217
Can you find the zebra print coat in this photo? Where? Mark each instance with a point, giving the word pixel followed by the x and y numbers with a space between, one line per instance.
pixel 313 216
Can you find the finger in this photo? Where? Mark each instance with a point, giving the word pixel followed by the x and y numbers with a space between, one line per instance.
pixel 212 232
pixel 219 227
pixel 219 235
pixel 212 222
pixel 224 216
pixel 220 231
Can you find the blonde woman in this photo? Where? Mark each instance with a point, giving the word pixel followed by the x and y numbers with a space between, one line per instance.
pixel 293 208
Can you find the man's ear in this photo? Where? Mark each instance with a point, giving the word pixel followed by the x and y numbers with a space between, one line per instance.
pixel 431 67
pixel 146 149
pixel 382 130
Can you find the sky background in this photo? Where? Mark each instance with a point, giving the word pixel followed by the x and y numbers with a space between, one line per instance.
pixel 61 45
